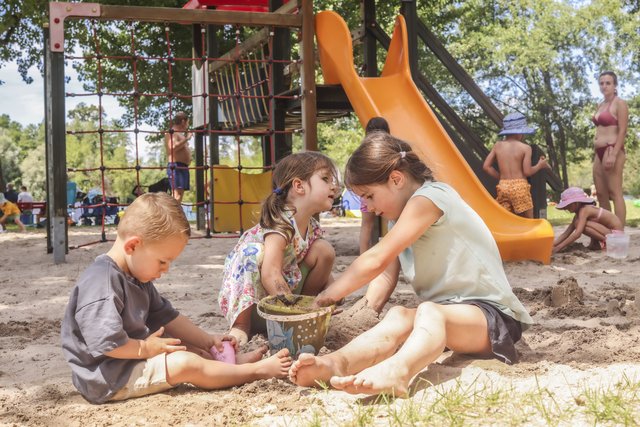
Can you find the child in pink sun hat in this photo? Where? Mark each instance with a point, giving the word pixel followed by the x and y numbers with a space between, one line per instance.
pixel 589 219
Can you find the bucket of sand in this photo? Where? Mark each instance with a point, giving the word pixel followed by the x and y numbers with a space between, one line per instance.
pixel 294 323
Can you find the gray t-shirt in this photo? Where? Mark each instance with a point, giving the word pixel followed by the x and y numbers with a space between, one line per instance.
pixel 106 308
pixel 457 258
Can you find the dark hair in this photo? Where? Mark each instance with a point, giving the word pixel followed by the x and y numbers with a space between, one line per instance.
pixel 179 118
pixel 378 156
pixel 609 73
pixel 377 124
pixel 298 165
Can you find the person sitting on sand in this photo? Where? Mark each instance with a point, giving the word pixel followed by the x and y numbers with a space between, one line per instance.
pixel 450 258
pixel 285 252
pixel 113 332
pixel 593 221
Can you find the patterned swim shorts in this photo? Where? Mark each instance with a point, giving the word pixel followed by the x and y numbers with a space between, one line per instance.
pixel 514 195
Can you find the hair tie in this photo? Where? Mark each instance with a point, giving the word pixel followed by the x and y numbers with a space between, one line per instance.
pixel 278 191
pixel 403 154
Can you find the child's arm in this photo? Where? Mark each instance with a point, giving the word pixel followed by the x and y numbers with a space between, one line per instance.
pixel 417 216
pixel 573 232
pixel 529 170
pixel 271 269
pixel 381 288
pixel 145 349
pixel 183 328
pixel 487 166
pixel 180 140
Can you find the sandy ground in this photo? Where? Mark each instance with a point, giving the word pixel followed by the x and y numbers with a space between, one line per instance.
pixel 586 305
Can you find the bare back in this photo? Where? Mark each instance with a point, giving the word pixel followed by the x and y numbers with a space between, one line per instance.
pixel 511 156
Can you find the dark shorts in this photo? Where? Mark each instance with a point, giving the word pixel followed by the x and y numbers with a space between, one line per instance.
pixel 504 331
pixel 178 177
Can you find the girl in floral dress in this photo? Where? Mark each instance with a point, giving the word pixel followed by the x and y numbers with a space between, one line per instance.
pixel 285 252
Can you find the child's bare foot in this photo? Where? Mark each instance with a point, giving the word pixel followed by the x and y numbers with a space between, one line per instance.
pixel 309 369
pixel 276 366
pixel 386 377
pixel 252 356
pixel 241 335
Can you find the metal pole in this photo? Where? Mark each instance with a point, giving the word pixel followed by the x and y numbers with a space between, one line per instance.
pixel 56 153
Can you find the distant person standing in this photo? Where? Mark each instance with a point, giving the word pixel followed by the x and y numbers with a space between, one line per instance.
pixel 178 154
pixel 11 194
pixel 25 197
pixel 514 162
pixel 611 120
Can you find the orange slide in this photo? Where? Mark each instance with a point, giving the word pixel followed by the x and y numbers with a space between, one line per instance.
pixel 395 97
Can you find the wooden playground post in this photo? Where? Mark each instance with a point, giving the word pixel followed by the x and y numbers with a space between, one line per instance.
pixel 308 74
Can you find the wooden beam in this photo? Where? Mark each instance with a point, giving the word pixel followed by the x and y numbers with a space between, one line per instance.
pixel 251 43
pixel 197 16
pixel 308 79
pixel 459 73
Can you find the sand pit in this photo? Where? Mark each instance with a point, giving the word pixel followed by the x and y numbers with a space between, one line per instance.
pixel 586 307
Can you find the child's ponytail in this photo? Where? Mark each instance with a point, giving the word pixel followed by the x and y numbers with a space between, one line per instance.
pixel 273 209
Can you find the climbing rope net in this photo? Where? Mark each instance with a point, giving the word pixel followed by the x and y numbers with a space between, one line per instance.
pixel 241 87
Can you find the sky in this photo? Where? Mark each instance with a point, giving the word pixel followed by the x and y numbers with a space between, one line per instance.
pixel 24 103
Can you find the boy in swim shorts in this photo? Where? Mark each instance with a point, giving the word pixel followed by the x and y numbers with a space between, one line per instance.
pixel 514 163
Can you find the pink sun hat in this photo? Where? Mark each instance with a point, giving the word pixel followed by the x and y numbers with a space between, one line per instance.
pixel 571 195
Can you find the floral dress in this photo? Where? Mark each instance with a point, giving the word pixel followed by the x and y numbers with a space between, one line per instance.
pixel 241 281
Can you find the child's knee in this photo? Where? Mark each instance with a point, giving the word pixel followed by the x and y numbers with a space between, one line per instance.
pixel 181 364
pixel 431 311
pixel 321 251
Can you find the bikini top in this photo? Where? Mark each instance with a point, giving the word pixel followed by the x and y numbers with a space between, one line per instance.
pixel 605 118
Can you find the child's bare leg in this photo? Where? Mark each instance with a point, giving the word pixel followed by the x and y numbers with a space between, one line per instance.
pixel 242 327
pixel 320 262
pixel 371 347
pixel 461 327
pixel 596 231
pixel 20 224
pixel 527 214
pixel 186 367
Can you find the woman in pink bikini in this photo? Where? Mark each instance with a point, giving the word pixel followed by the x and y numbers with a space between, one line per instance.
pixel 611 120
pixel 590 220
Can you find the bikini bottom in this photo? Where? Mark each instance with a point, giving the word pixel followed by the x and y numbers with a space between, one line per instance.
pixel 601 150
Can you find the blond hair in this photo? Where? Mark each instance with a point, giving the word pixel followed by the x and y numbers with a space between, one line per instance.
pixel 378 155
pixel 298 165
pixel 153 217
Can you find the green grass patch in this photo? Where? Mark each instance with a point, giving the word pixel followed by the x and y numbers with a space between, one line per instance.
pixel 484 402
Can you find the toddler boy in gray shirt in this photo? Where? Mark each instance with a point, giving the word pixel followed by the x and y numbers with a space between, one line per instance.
pixel 122 339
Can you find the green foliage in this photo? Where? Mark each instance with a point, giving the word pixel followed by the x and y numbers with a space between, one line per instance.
pixel 339 139
pixel 9 160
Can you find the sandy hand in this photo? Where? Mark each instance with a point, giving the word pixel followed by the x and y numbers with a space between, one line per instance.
pixel 155 344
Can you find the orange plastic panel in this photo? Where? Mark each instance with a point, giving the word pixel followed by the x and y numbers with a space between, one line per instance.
pixel 395 97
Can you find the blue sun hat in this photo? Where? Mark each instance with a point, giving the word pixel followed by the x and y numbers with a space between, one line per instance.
pixel 515 124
